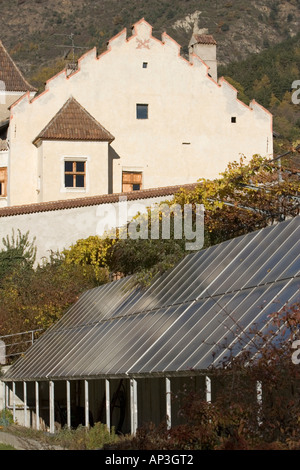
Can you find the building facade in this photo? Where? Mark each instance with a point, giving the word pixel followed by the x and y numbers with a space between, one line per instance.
pixel 138 116
pixel 12 87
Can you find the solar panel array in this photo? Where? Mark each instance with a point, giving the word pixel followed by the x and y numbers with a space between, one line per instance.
pixel 188 319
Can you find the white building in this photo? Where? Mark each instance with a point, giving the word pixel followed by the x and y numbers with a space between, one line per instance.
pixel 12 86
pixel 138 116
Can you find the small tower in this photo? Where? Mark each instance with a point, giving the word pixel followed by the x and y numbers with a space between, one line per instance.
pixel 205 46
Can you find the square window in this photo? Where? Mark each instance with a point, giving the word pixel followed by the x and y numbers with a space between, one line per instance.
pixel 131 181
pixel 145 65
pixel 75 174
pixel 142 111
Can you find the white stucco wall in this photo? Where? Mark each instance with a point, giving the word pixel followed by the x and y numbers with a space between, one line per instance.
pixel 3 163
pixel 52 156
pixel 188 134
pixel 59 229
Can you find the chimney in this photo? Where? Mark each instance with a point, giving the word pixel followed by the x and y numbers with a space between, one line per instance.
pixel 205 46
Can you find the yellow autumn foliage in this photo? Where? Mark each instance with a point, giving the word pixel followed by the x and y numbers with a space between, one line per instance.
pixel 90 252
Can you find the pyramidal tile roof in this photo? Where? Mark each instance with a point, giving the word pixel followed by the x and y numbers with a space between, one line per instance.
pixel 73 122
pixel 11 75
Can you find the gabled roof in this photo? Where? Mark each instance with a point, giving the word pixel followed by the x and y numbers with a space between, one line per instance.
pixel 10 74
pixel 189 319
pixel 73 122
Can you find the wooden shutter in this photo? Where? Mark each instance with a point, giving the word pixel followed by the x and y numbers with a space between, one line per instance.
pixel 3 182
pixel 129 179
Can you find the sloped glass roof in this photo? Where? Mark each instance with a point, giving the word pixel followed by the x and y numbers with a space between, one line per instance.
pixel 187 320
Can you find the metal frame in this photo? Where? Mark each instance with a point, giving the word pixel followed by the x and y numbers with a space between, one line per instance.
pixel 133 406
pixel 168 403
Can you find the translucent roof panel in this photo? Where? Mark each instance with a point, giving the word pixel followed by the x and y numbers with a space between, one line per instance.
pixel 194 316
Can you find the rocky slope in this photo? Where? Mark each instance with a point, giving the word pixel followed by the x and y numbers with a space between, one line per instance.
pixel 34 31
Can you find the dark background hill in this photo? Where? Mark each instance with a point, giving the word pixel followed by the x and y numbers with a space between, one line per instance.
pixel 258 41
pixel 33 29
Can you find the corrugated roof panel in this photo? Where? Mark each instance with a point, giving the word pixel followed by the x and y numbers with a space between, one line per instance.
pixel 263 323
pixel 237 328
pixel 58 342
pixel 146 336
pixel 155 295
pixel 251 260
pixel 188 319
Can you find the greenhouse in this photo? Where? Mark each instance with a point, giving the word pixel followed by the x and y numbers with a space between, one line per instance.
pixel 121 350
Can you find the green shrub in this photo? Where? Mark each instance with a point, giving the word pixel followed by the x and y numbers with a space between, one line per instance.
pixel 6 418
pixel 99 435
pixel 82 438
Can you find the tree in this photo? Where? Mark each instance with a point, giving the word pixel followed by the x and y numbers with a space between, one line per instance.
pixel 247 197
pixel 34 297
pixel 18 252
pixel 138 251
pixel 91 254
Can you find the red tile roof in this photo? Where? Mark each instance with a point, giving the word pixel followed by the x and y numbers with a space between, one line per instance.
pixel 205 39
pixel 93 200
pixel 73 122
pixel 10 74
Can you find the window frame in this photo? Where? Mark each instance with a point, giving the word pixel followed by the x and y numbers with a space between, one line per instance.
pixel 132 182
pixel 74 160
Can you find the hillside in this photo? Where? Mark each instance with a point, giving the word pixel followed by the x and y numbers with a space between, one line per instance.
pixel 258 41
pixel 35 30
pixel 267 77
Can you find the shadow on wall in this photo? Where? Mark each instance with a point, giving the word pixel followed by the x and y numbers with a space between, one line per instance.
pixel 112 155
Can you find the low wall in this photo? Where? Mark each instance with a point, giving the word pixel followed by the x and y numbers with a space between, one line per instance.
pixel 57 229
